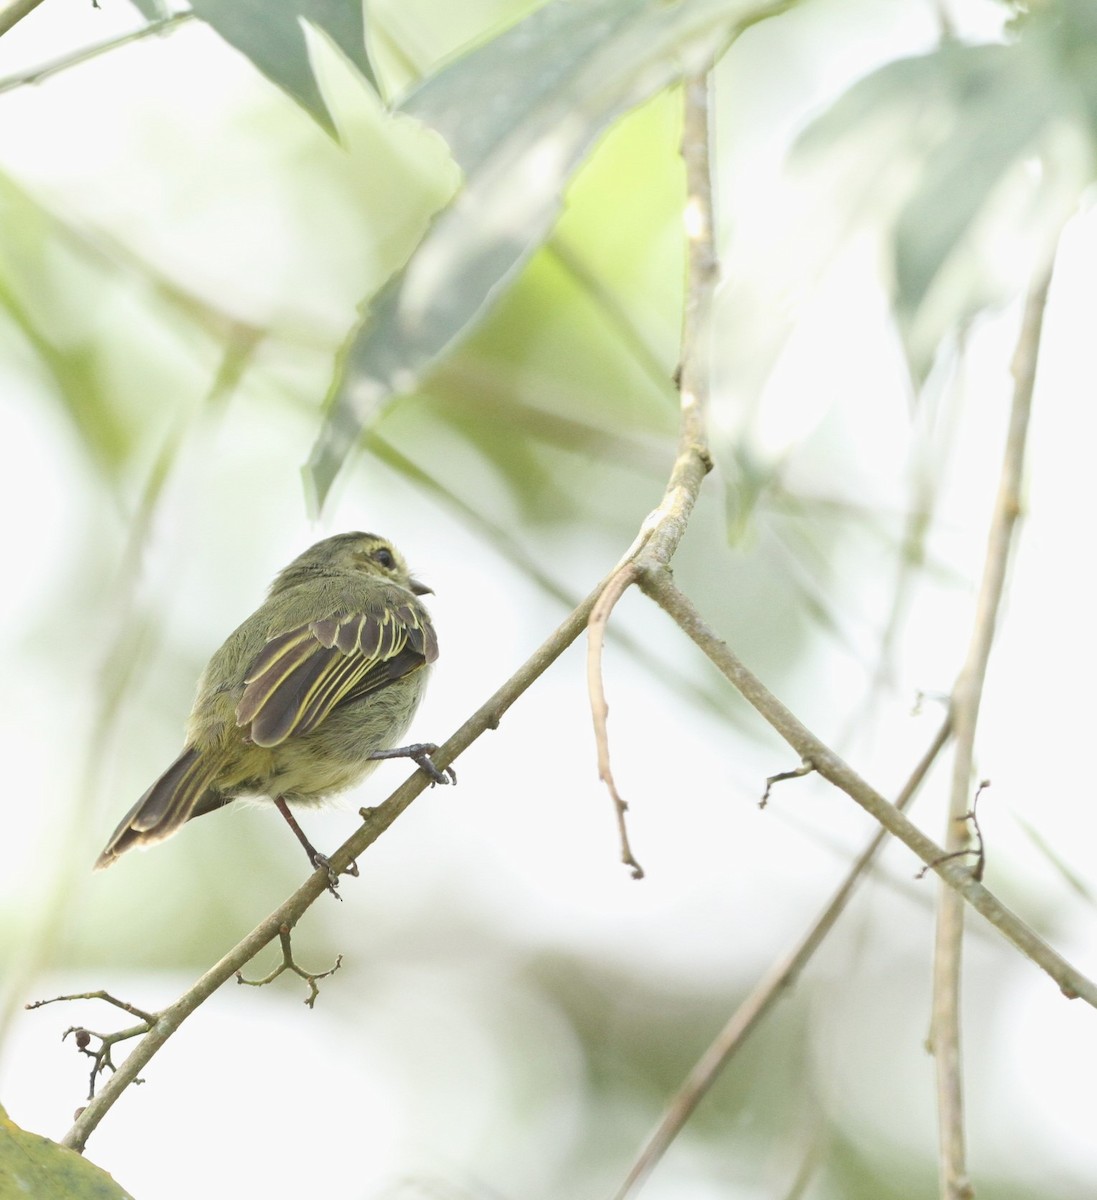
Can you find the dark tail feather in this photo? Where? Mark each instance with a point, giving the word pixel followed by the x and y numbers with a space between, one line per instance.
pixel 183 791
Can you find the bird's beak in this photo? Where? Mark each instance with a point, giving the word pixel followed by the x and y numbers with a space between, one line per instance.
pixel 420 589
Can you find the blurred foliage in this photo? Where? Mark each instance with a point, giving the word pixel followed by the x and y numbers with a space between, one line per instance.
pixel 42 286
pixel 510 233
pixel 984 148
pixel 519 114
pixel 273 37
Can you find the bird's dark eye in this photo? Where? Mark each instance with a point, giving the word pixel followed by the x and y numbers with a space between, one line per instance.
pixel 384 558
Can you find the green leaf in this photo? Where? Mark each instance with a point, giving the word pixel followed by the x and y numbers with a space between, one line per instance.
pixel 153 10
pixel 271 35
pixel 35 1168
pixel 520 114
pixel 1002 106
pixel 974 155
pixel 39 298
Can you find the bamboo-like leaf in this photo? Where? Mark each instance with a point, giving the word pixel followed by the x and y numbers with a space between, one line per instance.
pixel 520 114
pixel 964 125
pixel 270 34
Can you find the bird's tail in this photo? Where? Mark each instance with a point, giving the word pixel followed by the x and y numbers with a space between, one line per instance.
pixel 179 794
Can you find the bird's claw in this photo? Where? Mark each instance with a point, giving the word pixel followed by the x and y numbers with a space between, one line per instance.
pixel 322 863
pixel 426 763
pixel 420 754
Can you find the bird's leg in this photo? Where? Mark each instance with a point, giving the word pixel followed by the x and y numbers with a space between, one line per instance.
pixel 317 859
pixel 420 754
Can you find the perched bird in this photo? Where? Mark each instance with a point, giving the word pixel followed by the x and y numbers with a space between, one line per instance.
pixel 320 682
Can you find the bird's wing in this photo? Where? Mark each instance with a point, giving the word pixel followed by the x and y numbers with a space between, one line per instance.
pixel 299 676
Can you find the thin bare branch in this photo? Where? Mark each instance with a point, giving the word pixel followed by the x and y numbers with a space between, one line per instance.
pixel 98 994
pixel 769 989
pixel 657 583
pixel 805 768
pixel 86 53
pixel 663 529
pixel 622 580
pixel 945 1032
pixel 14 12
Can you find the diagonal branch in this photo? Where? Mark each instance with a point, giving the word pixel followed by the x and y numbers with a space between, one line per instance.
pixel 966 698
pixel 657 583
pixel 13 13
pixel 85 53
pixel 377 820
pixel 769 989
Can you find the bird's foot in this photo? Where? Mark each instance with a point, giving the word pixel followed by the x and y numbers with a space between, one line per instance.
pixel 322 863
pixel 420 754
pixel 319 861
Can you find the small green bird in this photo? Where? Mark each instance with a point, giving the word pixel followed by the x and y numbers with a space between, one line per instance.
pixel 304 698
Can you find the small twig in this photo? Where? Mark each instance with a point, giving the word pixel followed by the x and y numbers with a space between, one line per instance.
pixel 622 579
pixel 662 531
pixel 659 585
pixel 965 703
pixel 288 964
pixel 979 849
pixel 124 1005
pixel 920 698
pixel 769 989
pixel 101 1055
pixel 86 53
pixel 805 768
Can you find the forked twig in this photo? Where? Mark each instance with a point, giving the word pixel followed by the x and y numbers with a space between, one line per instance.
pixel 979 849
pixel 101 1054
pixel 288 964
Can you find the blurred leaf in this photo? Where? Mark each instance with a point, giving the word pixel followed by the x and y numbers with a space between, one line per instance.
pixel 975 139
pixel 38 1169
pixel 72 370
pixel 270 33
pixel 403 170
pixel 519 114
pixel 1069 876
pixel 1002 106
pixel 36 296
pixel 701 692
pixel 153 10
pixel 550 370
